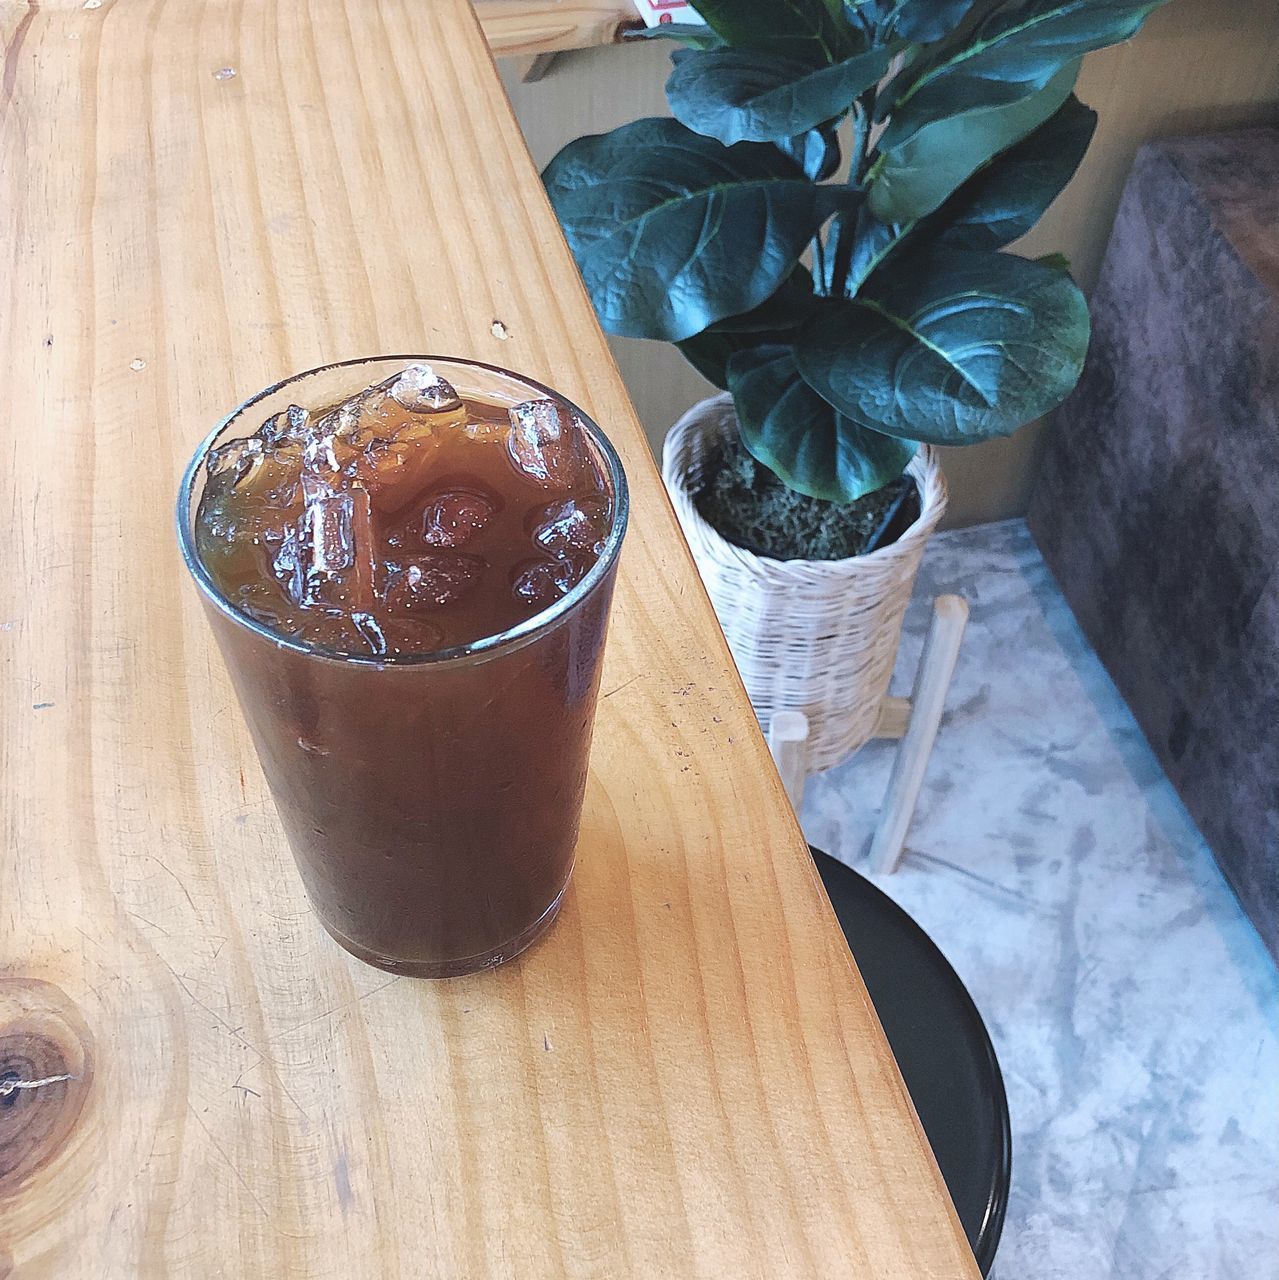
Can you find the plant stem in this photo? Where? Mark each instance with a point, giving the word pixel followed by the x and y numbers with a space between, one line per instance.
pixel 862 110
pixel 819 266
pixel 845 233
pixel 846 225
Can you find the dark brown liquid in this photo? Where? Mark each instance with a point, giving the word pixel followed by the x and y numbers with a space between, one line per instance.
pixel 433 807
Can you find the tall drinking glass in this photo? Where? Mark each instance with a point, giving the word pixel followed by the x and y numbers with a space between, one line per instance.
pixel 431 800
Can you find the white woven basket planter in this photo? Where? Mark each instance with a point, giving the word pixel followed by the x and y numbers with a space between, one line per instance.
pixel 817 636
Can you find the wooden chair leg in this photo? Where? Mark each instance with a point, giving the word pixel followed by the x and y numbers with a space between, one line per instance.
pixel 788 742
pixel 932 680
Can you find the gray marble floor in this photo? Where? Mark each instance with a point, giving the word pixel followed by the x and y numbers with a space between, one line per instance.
pixel 1135 1012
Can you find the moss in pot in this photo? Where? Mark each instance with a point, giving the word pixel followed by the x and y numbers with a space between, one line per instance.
pixel 849 318
pixel 750 507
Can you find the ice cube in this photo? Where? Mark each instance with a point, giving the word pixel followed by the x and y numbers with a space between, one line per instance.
pixel 487 423
pixel 360 419
pixel 239 547
pixel 396 472
pixel 415 634
pixel 287 566
pixel 545 443
pixel 289 427
pixel 330 561
pixel 273 457
pixel 541 582
pixel 577 525
pixel 327 629
pixel 237 531
pixel 452 518
pixel 235 550
pixel 370 632
pixel 400 407
pixel 231 462
pixel 419 389
pixel 432 581
pixel 386 437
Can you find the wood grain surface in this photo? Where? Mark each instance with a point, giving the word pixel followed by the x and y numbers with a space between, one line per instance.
pixel 685 1078
pixel 548 26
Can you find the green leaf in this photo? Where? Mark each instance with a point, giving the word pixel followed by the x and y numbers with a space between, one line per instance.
pixel 794 432
pixel 673 231
pixel 816 152
pixel 788 308
pixel 688 33
pixel 911 179
pixel 1057 261
pixel 810 30
pixel 710 352
pixel 871 241
pixel 1014 52
pixel 999 203
pixel 773 321
pixel 1003 200
pixel 737 95
pixel 923 21
pixel 949 346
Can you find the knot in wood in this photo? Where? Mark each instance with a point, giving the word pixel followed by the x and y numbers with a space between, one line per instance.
pixel 46 1066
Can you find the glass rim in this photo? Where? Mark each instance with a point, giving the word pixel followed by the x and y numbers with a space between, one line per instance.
pixel 513 637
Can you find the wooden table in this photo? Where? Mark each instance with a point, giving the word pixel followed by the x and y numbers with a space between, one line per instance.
pixel 686 1077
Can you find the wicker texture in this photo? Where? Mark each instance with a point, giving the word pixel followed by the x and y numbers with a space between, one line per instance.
pixel 817 636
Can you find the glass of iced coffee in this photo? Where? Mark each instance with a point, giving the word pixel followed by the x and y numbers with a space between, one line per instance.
pixel 407 563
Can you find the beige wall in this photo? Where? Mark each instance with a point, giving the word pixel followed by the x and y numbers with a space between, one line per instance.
pixel 1199 65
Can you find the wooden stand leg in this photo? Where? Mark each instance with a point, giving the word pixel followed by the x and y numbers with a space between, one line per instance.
pixel 532 67
pixel 788 741
pixel 932 680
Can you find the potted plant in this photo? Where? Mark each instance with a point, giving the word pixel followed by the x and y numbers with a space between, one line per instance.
pixel 821 231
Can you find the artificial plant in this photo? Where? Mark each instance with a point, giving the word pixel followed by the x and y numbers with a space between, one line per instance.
pixel 852 309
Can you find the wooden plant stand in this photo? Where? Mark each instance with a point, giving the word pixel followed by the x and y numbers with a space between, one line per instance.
pixel 914 720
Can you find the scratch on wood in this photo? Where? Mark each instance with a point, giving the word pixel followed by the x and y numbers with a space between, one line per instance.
pixel 213 1013
pixel 390 982
pixel 626 684
pixel 230 1164
pixel 337 1008
pixel 288 1093
pixel 158 927
pixel 170 872
pixel 235 1084
pixel 87 938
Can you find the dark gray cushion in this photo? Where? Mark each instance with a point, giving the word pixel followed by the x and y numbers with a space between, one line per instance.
pixel 1157 506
